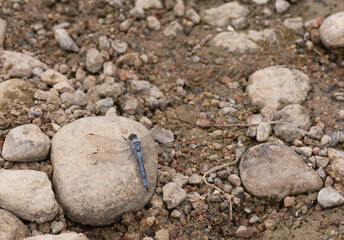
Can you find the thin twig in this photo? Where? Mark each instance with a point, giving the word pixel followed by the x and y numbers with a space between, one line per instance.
pixel 214 169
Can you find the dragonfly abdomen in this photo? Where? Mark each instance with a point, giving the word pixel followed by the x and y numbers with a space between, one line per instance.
pixel 142 169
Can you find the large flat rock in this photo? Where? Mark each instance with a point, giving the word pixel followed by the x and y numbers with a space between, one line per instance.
pixel 98 193
pixel 273 171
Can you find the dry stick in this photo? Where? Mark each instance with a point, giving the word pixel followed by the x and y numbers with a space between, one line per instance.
pixel 214 169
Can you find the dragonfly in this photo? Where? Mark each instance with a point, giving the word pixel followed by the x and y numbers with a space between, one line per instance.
pixel 132 146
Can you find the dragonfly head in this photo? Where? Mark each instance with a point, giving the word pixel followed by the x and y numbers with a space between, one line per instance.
pixel 132 136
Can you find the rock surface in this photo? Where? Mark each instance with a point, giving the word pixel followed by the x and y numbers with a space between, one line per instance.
pixel 173 195
pixel 19 59
pixel 98 193
pixel 332 31
pixel 63 236
pixel 220 16
pixel 26 143
pixel 262 173
pixel 11 228
pixel 336 160
pixel 65 41
pixel 296 114
pixel 147 4
pixel 28 195
pixel 285 86
pixel 94 60
pixel 52 77
pixel 15 89
pixel 239 43
pixel 328 197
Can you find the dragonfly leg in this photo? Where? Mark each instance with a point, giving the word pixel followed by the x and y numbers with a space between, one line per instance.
pixel 131 154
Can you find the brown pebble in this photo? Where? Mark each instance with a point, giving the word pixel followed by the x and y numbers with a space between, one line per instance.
pixel 315 36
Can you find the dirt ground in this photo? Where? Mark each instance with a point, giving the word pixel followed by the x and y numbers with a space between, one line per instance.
pixel 170 59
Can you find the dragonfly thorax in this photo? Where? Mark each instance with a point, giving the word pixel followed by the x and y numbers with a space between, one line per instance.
pixel 135 145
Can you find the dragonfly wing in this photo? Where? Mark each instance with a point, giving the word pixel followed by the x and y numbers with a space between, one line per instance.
pixel 111 155
pixel 104 144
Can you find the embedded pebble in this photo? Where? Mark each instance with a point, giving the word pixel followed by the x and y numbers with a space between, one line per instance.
pixel 262 175
pixel 234 180
pixel 193 16
pixel 293 23
pixel 119 46
pixel 11 228
pixel 336 160
pixel 27 194
pixel 331 31
pixel 65 41
pixel 148 4
pixel 173 29
pixel 244 232
pixel 26 143
pixel 281 6
pixel 296 114
pixel 195 179
pixel 321 161
pixel 94 60
pixel 328 197
pixel 173 195
pixel 52 77
pixel 153 23
pixel 286 86
pixel 263 131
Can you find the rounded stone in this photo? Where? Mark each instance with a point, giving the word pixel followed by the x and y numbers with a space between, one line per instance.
pixel 63 236
pixel 273 171
pixel 99 190
pixel 332 31
pixel 26 143
pixel 296 114
pixel 28 195
pixel 11 228
pixel 285 86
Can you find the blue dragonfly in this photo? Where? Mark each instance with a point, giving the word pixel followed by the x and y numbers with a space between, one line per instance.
pixel 132 146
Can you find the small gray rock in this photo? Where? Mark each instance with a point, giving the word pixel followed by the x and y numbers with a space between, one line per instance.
pixel 52 77
pixel 180 179
pixel 263 131
pixel 195 179
pixel 173 195
pixel 119 46
pixel 125 25
pixel 105 104
pixel 173 29
pixel 193 16
pixel 328 197
pixel 104 43
pixel 11 228
pixel 331 31
pixel 65 41
pixel 80 98
pixel 281 6
pixel 148 4
pixel 321 161
pixel 153 23
pixel 137 12
pixel 26 143
pixel 94 60
pixel 234 180
pixel 28 194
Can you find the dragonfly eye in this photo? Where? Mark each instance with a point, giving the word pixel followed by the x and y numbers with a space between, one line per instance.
pixel 132 136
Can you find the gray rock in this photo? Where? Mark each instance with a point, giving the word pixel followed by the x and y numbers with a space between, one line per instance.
pixel 63 236
pixel 148 4
pixel 110 69
pixel 15 59
pixel 295 23
pixel 173 29
pixel 321 161
pixel 114 90
pixel 11 228
pixel 125 25
pixel 260 2
pixel 193 16
pixel 94 60
pixel 296 114
pixel 262 175
pixel 336 160
pixel 179 8
pixel 56 226
pixel 254 219
pixel 19 90
pixel 288 132
pixel 220 16
pixel 281 6
pixel 204 167
pixel 195 179
pixel 263 131
pixel 89 82
pixel 80 98
pixel 239 23
pixel 20 71
pixel 153 23
pixel 52 77
pixel 119 46
pixel 130 104
pixel 173 195
pixel 316 132
pixel 328 197
pixel 65 41
pixel 162 135
pixel 26 143
pixel 67 98
pixel 321 173
pixel 115 3
pixel 331 31
pixel 119 187
pixel 137 12
pixel 104 43
pixel 130 59
pixel 105 104
pixel 305 151
pixel 244 232
pixel 64 87
pixel 234 180
pixel 286 86
pixel 162 234
pixel 28 195
pixel 180 179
